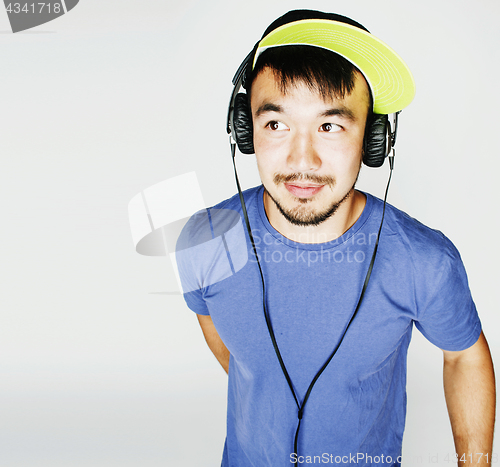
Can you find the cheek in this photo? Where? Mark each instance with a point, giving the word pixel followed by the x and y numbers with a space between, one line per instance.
pixel 265 166
pixel 265 145
pixel 343 156
pixel 268 154
pixel 352 163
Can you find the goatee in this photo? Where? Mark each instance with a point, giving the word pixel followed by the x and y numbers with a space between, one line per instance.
pixel 300 215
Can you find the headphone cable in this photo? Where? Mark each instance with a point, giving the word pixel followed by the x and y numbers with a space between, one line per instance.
pixel 301 406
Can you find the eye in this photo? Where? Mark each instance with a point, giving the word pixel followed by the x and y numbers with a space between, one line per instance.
pixel 277 126
pixel 330 127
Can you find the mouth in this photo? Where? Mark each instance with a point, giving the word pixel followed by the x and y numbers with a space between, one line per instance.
pixel 303 190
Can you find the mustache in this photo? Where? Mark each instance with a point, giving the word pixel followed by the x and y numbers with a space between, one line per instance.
pixel 298 176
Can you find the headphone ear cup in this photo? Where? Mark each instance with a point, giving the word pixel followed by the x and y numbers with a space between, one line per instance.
pixel 243 126
pixel 375 144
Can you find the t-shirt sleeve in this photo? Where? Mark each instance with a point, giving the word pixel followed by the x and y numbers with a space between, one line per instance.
pixel 195 302
pixel 185 257
pixel 211 248
pixel 447 315
pixel 193 293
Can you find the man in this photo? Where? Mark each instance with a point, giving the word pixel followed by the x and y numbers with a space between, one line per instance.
pixel 311 310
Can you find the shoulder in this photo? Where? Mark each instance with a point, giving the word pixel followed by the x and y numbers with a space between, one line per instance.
pixel 418 239
pixel 208 223
pixel 212 245
pixel 422 263
pixel 410 249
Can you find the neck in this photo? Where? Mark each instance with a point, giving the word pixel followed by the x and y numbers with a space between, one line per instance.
pixel 334 227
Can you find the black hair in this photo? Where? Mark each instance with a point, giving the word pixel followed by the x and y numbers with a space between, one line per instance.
pixel 322 70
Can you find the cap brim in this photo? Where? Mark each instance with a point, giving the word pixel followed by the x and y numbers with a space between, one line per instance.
pixel 390 80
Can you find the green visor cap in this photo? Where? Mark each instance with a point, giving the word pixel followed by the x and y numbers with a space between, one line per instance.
pixel 390 80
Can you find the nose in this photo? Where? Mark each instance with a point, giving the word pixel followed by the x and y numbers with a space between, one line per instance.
pixel 302 156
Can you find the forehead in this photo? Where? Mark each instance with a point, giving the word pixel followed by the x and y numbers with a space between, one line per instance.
pixel 267 87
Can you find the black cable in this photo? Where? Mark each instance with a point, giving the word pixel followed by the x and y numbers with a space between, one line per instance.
pixel 266 314
pixel 363 290
pixel 301 407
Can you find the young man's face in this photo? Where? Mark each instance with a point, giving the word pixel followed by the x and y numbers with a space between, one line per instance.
pixel 308 148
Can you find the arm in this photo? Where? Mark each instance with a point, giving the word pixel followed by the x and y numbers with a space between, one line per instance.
pixel 214 341
pixel 469 386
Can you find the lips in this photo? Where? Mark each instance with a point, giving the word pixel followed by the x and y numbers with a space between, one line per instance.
pixel 303 191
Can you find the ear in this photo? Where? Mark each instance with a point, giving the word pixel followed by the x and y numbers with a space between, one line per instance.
pixel 243 126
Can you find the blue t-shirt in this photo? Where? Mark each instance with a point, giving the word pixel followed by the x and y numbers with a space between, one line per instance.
pixel 357 407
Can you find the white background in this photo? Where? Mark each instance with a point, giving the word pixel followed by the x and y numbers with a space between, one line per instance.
pixel 101 363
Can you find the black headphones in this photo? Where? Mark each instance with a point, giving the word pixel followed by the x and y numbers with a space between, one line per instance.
pixel 378 141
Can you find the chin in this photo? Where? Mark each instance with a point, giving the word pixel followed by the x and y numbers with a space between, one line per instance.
pixel 305 214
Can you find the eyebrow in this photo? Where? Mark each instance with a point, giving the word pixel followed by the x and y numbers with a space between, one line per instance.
pixel 342 112
pixel 268 107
